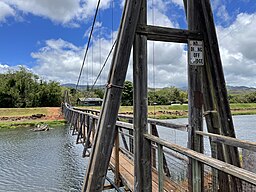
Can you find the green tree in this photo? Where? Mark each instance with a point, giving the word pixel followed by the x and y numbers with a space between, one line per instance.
pixel 22 88
pixel 127 94
pixel 99 93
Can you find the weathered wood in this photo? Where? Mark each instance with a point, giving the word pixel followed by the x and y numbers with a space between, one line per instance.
pixel 195 101
pixel 217 164
pixel 215 70
pixel 230 141
pixel 117 174
pixel 87 143
pixel 153 149
pixel 180 127
pixel 156 33
pixel 142 147
pixel 123 138
pixel 166 169
pixel 80 130
pixel 104 140
pixel 160 168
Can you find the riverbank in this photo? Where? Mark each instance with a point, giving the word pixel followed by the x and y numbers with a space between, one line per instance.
pixel 181 111
pixel 29 117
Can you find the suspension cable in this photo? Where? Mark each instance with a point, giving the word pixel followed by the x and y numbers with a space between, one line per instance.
pixel 88 43
pixel 153 62
pixel 105 62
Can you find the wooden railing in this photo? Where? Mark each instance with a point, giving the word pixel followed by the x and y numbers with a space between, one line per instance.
pixel 83 123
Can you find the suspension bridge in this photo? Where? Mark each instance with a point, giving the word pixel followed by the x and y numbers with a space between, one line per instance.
pixel 135 148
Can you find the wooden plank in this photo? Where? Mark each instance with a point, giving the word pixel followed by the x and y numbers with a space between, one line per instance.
pixel 142 147
pixel 230 141
pixel 126 171
pixel 156 33
pixel 217 164
pixel 104 139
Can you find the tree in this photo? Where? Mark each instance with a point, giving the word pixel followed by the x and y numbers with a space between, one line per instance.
pixel 22 88
pixel 99 93
pixel 127 95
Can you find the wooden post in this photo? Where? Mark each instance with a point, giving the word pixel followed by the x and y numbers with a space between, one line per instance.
pixel 104 141
pixel 123 139
pixel 165 166
pixel 142 146
pixel 117 176
pixel 215 72
pixel 219 179
pixel 131 142
pixel 195 98
pixel 153 150
pixel 160 168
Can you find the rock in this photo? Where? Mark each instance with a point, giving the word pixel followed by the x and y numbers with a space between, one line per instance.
pixel 38 115
pixel 41 127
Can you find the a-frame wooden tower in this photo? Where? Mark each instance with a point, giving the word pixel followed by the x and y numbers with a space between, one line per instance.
pixel 207 93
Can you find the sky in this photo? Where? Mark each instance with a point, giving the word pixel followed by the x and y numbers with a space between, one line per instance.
pixel 49 38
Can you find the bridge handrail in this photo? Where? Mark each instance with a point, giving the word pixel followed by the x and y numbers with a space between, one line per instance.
pixel 159 144
pixel 215 137
pixel 217 164
pixel 229 141
pixel 180 127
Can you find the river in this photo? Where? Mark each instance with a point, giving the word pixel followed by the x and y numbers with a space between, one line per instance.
pixel 51 161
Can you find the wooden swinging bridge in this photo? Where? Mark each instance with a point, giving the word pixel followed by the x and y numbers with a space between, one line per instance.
pixel 137 149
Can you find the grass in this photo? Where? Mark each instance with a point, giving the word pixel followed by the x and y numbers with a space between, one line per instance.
pixel 158 111
pixel 50 119
pixel 180 111
pixel 20 112
pixel 15 124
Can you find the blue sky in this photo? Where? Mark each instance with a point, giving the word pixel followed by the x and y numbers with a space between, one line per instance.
pixel 49 38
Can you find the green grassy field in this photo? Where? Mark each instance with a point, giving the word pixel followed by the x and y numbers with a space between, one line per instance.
pixel 15 124
pixel 159 112
pixel 19 112
pixel 17 117
pixel 178 111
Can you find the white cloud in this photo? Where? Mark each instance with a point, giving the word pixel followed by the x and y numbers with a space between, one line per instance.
pixel 61 61
pixel 178 2
pixel 5 11
pixel 223 13
pixel 4 68
pixel 237 43
pixel 67 12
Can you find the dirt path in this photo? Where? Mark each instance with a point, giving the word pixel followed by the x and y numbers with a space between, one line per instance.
pixel 52 113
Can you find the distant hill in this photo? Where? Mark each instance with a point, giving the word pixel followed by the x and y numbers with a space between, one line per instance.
pixel 240 89
pixel 82 87
pixel 233 89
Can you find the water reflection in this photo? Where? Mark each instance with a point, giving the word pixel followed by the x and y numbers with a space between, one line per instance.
pixel 51 161
pixel 40 161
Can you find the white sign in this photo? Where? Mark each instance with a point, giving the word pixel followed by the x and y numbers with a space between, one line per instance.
pixel 196 52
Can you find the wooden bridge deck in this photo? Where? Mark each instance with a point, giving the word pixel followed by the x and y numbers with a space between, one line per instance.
pixel 126 171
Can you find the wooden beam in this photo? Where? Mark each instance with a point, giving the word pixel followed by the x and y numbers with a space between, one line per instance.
pixel 229 141
pixel 165 34
pixel 104 138
pixel 240 173
pixel 142 146
pixel 195 101
pixel 215 72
